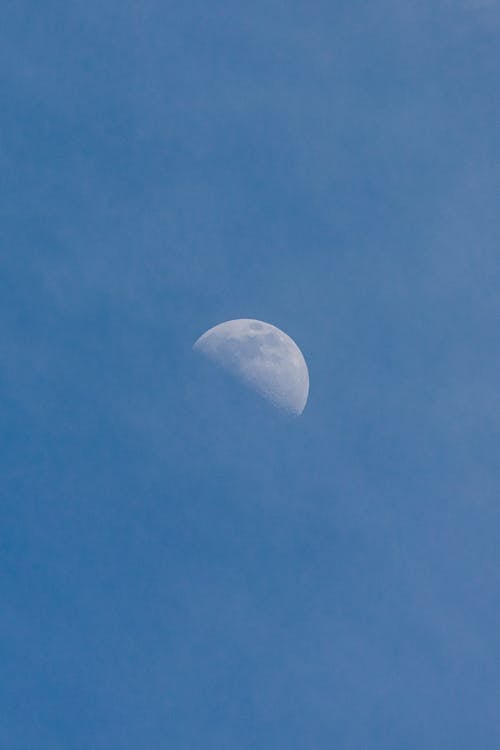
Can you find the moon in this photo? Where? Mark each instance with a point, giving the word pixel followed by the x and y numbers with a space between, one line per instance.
pixel 262 357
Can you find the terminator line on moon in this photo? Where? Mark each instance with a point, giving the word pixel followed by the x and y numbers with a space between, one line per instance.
pixel 262 357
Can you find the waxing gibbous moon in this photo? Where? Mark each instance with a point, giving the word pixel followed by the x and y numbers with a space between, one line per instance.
pixel 262 357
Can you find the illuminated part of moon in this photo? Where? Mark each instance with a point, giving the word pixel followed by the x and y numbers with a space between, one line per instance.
pixel 261 356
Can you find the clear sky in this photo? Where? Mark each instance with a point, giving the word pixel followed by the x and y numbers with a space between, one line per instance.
pixel 182 567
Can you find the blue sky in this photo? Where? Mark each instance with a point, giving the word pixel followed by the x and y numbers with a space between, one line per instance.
pixel 181 567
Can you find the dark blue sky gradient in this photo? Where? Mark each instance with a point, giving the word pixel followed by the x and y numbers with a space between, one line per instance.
pixel 181 566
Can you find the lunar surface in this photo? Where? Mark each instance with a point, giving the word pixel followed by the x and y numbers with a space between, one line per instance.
pixel 262 357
